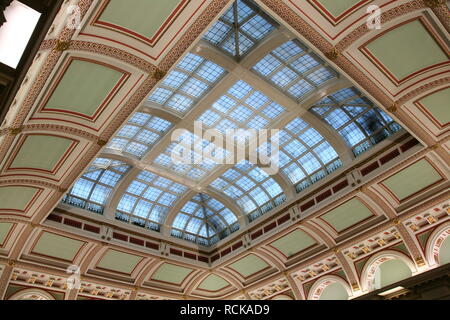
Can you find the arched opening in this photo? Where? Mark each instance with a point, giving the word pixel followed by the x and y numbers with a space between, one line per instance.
pixel 330 288
pixel 390 272
pixel 32 294
pixel 282 297
pixel 334 291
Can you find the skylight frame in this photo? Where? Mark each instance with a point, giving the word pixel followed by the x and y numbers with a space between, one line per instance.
pixel 287 64
pixel 105 166
pixel 145 186
pixel 203 203
pixel 336 104
pixel 246 173
pixel 165 95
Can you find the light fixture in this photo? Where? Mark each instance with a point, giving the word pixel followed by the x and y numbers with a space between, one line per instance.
pixel 16 32
pixel 391 291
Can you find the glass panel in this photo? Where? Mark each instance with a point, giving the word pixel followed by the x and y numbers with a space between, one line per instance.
pixel 184 86
pixel 360 123
pixel 241 22
pixel 202 218
pixel 150 198
pixel 91 192
pixel 294 70
pixel 249 186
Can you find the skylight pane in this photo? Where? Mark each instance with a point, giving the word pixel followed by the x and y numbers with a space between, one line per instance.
pixel 201 218
pixel 250 187
pixel 304 153
pixel 242 107
pixel 92 191
pixel 293 69
pixel 149 197
pixel 184 86
pixel 359 122
pixel 141 133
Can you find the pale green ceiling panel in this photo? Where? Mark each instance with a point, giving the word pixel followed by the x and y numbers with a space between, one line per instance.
pixel 347 214
pixel 83 88
pixel 56 246
pixel 144 17
pixel 337 7
pixel 171 273
pixel 5 228
pixel 293 243
pixel 407 49
pixel 119 261
pixel 438 104
pixel 334 291
pixel 16 198
pixel 412 179
pixel 41 152
pixel 213 283
pixel 249 265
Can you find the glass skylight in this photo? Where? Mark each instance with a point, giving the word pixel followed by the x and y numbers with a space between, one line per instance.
pixel 304 157
pixel 140 134
pixel 294 69
pixel 240 29
pixel 241 108
pixel 92 190
pixel 204 220
pixel 198 157
pixel 254 190
pixel 185 85
pixel 360 123
pixel 147 200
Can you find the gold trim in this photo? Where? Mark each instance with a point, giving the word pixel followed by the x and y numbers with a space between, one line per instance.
pixel 333 54
pixel 433 3
pixel 158 74
pixel 62 45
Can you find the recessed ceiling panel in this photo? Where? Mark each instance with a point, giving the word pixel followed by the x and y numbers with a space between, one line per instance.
pixel 412 180
pixel 406 50
pixel 249 265
pixel 119 261
pixel 293 243
pixel 56 246
pixel 347 215
pixel 17 198
pixel 172 274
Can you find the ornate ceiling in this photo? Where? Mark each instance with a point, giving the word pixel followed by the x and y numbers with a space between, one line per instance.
pixel 363 187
